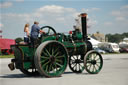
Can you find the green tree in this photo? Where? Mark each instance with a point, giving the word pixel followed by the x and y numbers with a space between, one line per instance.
pixel 125 34
pixel 116 37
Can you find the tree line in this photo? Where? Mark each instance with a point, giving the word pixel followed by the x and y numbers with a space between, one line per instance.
pixel 116 37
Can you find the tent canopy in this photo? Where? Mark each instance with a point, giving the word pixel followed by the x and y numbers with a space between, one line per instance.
pixel 94 42
pixel 5 43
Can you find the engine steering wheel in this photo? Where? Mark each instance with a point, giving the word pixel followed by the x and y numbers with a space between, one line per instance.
pixel 48 30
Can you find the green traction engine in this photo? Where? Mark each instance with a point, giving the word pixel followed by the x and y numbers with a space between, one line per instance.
pixel 54 51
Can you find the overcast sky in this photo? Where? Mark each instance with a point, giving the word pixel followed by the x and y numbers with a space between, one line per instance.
pixel 105 16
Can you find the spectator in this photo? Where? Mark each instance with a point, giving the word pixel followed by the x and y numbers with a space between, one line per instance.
pixel 26 33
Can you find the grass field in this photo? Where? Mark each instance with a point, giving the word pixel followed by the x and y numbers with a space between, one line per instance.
pixel 7 56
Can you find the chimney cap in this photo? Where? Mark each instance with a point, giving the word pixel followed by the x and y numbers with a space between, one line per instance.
pixel 83 14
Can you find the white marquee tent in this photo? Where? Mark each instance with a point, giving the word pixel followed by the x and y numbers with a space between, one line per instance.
pixel 94 42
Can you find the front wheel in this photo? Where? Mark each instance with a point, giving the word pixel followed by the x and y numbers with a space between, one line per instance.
pixel 76 63
pixel 93 62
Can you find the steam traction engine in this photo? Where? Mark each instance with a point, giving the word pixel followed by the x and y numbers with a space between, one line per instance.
pixel 54 51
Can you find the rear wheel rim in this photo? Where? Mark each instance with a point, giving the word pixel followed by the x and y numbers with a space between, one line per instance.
pixel 53 59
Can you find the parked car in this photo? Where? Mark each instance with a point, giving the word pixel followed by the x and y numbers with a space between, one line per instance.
pixel 123 47
pixel 109 47
pixel 99 50
pixel 124 50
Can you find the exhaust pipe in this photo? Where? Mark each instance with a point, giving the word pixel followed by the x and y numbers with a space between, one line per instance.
pixel 84 26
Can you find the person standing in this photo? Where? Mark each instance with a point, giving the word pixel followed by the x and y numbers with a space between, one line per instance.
pixel 35 30
pixel 26 33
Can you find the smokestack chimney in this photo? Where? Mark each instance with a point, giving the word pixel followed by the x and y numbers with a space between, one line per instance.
pixel 84 25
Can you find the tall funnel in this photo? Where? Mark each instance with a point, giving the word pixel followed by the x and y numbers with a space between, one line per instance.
pixel 84 25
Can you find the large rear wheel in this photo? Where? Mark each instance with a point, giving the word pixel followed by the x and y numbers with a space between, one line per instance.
pixel 51 59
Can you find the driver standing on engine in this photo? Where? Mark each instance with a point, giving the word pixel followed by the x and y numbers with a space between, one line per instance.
pixel 35 30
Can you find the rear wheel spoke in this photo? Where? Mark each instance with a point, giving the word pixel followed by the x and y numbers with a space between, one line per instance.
pixel 42 61
pixel 47 68
pixel 60 56
pixel 58 61
pixel 56 50
pixel 50 67
pixel 47 52
pixel 53 69
pixel 59 64
pixel 55 66
pixel 45 57
pixel 56 54
pixel 45 63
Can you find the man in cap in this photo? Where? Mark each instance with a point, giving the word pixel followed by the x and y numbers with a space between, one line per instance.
pixel 35 30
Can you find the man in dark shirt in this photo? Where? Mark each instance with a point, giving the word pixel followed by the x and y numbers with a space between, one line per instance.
pixel 35 30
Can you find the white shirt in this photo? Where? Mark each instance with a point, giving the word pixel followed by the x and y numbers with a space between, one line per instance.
pixel 25 33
